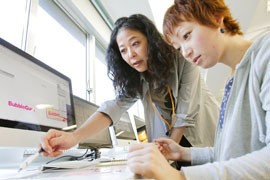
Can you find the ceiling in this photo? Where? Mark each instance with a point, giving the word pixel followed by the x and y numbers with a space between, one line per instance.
pixel 153 9
pixel 252 14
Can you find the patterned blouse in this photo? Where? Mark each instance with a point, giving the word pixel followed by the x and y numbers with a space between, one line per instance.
pixel 224 102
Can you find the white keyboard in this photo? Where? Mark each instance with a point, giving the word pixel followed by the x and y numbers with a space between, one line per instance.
pixel 122 156
pixel 72 151
pixel 115 154
pixel 30 151
pixel 81 164
pixel 118 153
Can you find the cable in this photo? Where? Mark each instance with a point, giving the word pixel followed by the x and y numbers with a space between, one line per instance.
pixel 73 158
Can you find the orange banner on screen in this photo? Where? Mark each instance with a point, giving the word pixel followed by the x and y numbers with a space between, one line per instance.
pixel 54 114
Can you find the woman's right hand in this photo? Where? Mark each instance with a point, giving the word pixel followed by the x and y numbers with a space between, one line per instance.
pixel 55 141
pixel 171 150
pixel 146 160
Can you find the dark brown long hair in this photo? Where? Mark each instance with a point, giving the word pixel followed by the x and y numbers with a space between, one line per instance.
pixel 160 55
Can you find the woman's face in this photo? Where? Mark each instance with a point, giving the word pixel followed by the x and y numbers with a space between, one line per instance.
pixel 199 44
pixel 133 48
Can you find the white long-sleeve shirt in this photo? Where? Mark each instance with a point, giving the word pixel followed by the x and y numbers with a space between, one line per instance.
pixel 242 145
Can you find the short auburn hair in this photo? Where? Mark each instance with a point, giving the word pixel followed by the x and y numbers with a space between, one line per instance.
pixel 204 12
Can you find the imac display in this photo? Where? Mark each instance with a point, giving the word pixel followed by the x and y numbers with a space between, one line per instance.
pixel 83 110
pixel 34 98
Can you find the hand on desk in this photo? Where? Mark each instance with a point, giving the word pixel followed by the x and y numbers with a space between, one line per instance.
pixel 146 160
pixel 55 141
pixel 170 149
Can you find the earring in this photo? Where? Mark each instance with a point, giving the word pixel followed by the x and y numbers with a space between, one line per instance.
pixel 222 30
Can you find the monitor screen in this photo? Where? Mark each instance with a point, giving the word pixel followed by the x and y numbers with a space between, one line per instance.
pixel 141 129
pixel 83 110
pixel 34 98
pixel 123 128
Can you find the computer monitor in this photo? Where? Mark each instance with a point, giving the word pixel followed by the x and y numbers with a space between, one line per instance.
pixel 139 122
pixel 34 98
pixel 123 128
pixel 141 129
pixel 83 110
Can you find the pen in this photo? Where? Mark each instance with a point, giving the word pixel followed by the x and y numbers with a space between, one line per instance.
pixel 30 159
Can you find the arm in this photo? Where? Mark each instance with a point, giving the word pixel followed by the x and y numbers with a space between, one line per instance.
pixel 187 100
pixel 109 112
pixel 177 134
pixel 146 160
pixel 188 95
pixel 250 166
pixel 173 151
pixel 115 108
pixel 55 141
pixel 196 108
pixel 97 122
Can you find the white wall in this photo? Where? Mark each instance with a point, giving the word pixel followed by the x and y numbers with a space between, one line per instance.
pixel 216 79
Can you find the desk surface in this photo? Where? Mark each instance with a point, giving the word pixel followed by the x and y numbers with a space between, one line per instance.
pixel 93 172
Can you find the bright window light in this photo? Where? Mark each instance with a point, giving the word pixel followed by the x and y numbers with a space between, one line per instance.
pixel 159 7
pixel 12 18
pixel 268 6
pixel 61 44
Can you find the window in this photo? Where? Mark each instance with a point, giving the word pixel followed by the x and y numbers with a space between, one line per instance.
pixel 59 43
pixel 104 87
pixel 13 15
pixel 66 44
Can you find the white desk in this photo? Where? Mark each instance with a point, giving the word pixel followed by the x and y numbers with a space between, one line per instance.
pixel 95 173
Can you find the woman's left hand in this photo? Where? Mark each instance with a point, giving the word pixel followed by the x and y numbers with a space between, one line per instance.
pixel 146 160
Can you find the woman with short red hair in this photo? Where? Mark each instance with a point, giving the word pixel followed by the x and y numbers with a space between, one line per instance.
pixel 205 33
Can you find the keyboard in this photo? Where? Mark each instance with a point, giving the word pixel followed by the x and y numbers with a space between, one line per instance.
pixel 109 157
pixel 114 155
pixel 81 164
pixel 117 154
pixel 30 151
pixel 71 152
